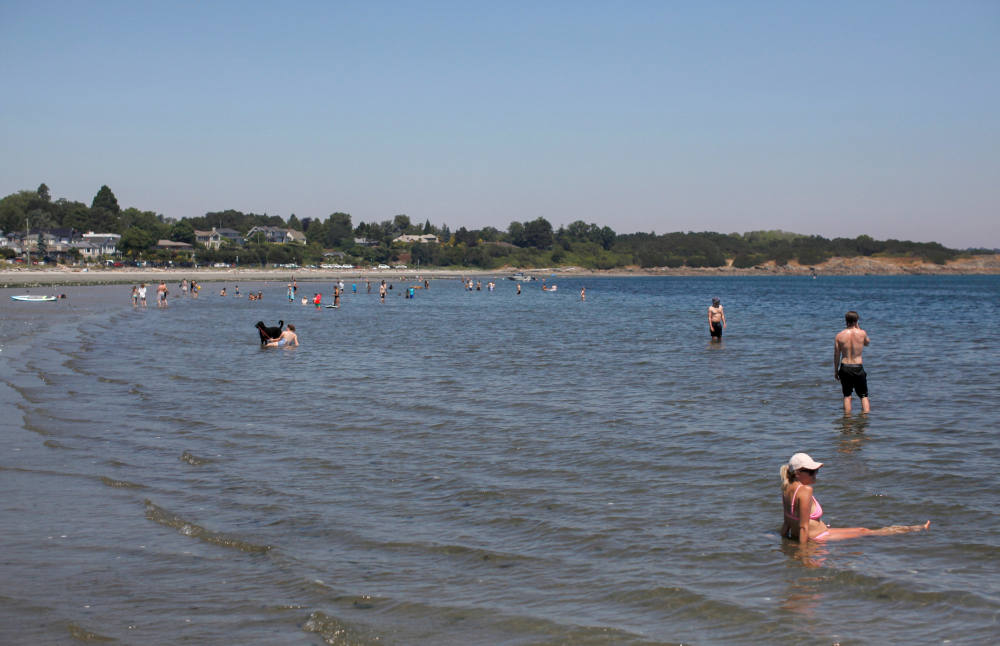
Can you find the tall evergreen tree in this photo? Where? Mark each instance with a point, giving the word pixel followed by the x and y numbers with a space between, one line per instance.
pixel 106 199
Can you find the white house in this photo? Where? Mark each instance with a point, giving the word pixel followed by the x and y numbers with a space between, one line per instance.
pixel 409 239
pixel 275 235
pixel 213 239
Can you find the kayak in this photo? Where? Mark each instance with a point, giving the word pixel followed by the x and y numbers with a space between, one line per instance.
pixel 32 298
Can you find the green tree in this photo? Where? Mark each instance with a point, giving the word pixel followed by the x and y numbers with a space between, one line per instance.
pixel 490 234
pixel 339 231
pixel 515 233
pixel 101 220
pixel 148 221
pixel 42 220
pixel 14 210
pixel 43 192
pixel 400 224
pixel 134 241
pixel 316 233
pixel 464 236
pixel 76 215
pixel 106 199
pixel 293 223
pixel 538 234
pixel 182 232
pixel 607 237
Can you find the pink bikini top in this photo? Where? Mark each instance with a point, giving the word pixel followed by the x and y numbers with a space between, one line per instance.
pixel 817 510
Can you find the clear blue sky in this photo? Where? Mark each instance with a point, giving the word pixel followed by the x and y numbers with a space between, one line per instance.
pixel 824 118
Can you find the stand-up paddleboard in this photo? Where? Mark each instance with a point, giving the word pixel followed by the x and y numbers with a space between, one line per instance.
pixel 32 298
pixel 331 307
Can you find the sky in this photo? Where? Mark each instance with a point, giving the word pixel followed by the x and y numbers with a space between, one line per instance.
pixel 833 119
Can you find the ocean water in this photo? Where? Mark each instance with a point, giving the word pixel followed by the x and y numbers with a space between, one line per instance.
pixel 488 468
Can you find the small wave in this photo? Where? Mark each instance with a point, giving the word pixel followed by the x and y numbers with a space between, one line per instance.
pixel 84 635
pixel 121 484
pixel 497 559
pixel 162 516
pixel 112 380
pixel 194 460
pixel 337 632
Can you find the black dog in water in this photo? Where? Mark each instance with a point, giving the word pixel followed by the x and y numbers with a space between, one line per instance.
pixel 268 333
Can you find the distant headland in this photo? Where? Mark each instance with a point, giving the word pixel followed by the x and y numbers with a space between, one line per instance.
pixel 70 236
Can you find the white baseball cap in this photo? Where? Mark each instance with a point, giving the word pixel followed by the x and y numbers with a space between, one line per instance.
pixel 803 461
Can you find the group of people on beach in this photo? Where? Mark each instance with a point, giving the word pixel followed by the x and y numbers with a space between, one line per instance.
pixel 802 512
pixel 847 348
pixel 139 293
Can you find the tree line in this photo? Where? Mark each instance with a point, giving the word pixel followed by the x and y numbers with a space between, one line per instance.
pixel 532 243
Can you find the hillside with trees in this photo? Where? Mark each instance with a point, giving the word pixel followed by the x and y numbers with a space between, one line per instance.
pixel 27 214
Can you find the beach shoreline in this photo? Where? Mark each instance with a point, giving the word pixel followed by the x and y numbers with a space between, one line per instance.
pixel 865 265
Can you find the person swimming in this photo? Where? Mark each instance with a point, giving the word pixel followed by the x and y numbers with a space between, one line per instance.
pixel 288 338
pixel 803 513
pixel 268 333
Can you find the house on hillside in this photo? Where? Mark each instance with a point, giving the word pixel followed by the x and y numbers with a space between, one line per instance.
pixel 55 241
pixel 13 241
pixel 92 247
pixel 101 236
pixel 213 239
pixel 274 235
pixel 409 239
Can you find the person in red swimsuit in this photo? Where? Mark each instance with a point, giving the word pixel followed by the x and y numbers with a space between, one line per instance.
pixel 803 513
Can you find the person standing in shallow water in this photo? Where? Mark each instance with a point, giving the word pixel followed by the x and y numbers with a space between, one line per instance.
pixel 716 320
pixel 847 366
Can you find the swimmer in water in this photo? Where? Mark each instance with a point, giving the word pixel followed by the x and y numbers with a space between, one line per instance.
pixel 288 339
pixel 802 512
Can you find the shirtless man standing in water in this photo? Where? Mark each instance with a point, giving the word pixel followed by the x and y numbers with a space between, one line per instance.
pixel 716 320
pixel 847 368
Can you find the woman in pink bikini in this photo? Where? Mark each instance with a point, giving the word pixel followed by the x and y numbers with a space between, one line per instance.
pixel 803 512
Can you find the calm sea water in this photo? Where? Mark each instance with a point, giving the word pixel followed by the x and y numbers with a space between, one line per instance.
pixel 488 468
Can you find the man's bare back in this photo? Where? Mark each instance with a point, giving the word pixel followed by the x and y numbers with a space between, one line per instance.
pixel 848 345
pixel 847 368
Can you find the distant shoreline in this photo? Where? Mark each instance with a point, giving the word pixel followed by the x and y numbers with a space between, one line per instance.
pixel 857 266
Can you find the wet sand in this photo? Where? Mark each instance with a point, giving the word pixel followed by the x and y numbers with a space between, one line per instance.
pixel 63 275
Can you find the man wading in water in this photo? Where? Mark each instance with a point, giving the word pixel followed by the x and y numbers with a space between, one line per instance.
pixel 716 320
pixel 847 368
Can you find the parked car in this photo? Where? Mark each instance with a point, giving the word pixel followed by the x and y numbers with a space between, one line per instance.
pixel 399 267
pixel 383 267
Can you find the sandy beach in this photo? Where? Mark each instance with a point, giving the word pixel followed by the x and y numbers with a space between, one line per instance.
pixel 866 265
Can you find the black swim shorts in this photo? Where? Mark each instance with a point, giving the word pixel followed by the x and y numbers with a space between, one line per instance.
pixel 853 377
pixel 717 329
